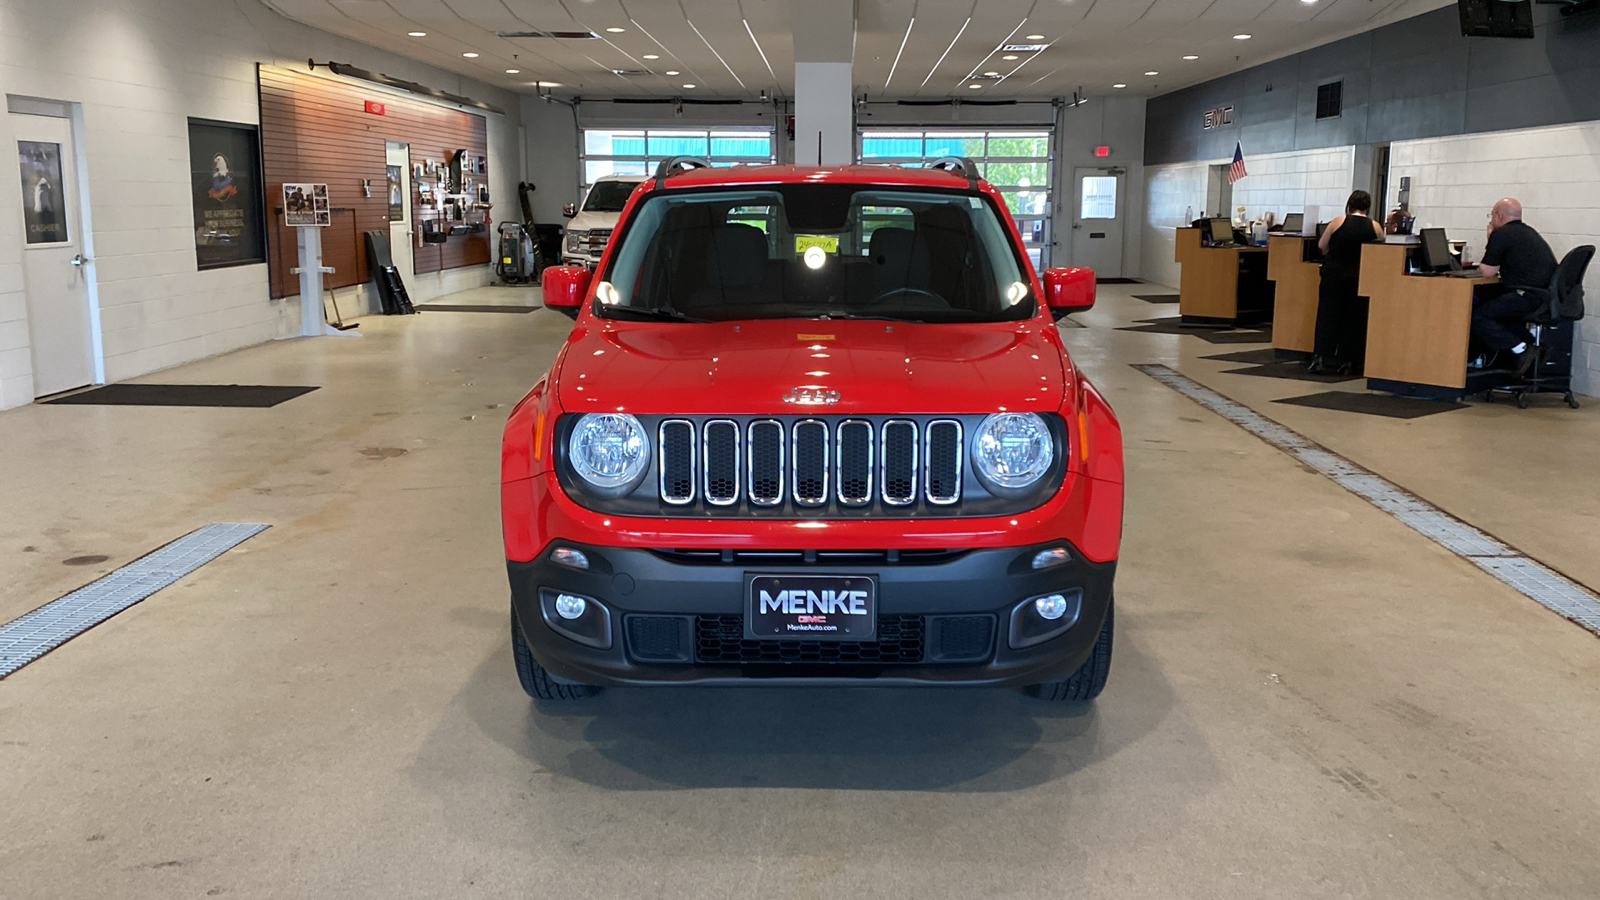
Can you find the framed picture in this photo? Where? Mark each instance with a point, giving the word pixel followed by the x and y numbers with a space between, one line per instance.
pixel 227 194
pixel 397 194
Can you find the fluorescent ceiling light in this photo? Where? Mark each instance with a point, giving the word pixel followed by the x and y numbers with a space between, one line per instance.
pixel 470 55
pixel 1241 37
pixel 947 50
pixel 417 33
pixel 974 86
pixel 1191 57
pixel 759 50
pixel 896 63
pixel 673 72
pixel 513 71
pixel 1034 37
pixel 991 74
pixel 1009 56
pixel 652 56
pixel 615 30
pixel 689 86
pixel 1119 85
pixel 1152 73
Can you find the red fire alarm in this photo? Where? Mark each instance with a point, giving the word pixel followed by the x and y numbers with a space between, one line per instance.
pixel 1102 150
pixel 374 107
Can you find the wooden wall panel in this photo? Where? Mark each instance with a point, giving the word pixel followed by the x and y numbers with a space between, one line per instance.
pixel 315 129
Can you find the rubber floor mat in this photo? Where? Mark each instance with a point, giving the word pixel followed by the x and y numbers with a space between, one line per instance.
pixel 1118 281
pixel 1169 325
pixel 1247 357
pixel 1371 404
pixel 1290 370
pixel 1157 298
pixel 256 396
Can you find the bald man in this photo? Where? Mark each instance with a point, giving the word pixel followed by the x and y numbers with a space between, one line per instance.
pixel 1522 259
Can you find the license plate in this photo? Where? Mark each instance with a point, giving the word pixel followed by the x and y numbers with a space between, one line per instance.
pixel 812 607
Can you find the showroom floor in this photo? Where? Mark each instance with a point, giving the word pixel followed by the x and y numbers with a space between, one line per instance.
pixel 1308 698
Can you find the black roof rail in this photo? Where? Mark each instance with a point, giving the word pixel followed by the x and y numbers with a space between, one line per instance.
pixel 674 164
pixel 959 164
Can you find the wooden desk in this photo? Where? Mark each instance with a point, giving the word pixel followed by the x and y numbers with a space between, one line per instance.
pixel 1418 327
pixel 1221 285
pixel 1296 284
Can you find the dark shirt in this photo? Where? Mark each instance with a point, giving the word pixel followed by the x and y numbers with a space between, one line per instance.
pixel 1343 259
pixel 1525 260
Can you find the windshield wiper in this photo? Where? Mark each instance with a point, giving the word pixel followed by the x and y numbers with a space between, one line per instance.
pixel 651 314
pixel 835 314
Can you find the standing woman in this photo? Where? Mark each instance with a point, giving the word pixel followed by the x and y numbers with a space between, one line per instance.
pixel 1341 314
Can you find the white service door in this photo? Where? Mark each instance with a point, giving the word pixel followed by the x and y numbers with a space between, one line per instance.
pixel 53 268
pixel 1097 220
pixel 401 238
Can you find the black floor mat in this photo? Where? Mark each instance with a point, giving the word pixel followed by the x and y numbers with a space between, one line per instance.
pixel 1373 404
pixel 1247 357
pixel 1157 298
pixel 1169 325
pixel 1291 370
pixel 259 396
pixel 446 307
pixel 1118 281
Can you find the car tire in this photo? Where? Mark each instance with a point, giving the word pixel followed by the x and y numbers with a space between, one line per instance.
pixel 1090 679
pixel 536 680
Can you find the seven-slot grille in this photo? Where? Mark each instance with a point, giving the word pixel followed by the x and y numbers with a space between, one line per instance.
pixel 594 243
pixel 811 462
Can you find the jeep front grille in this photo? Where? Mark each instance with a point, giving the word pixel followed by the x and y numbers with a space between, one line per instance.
pixel 810 462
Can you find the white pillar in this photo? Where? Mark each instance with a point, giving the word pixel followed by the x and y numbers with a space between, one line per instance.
pixel 824 105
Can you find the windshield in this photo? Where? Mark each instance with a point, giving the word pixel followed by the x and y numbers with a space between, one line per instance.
pixel 608 196
pixel 816 250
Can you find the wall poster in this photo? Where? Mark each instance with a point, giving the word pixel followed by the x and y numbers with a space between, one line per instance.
pixel 44 207
pixel 397 194
pixel 225 181
pixel 306 205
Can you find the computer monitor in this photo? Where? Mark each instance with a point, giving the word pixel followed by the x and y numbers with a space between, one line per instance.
pixel 1294 223
pixel 1435 250
pixel 1321 227
pixel 1220 232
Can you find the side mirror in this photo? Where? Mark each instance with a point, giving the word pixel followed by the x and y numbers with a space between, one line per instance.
pixel 570 210
pixel 1069 290
pixel 565 287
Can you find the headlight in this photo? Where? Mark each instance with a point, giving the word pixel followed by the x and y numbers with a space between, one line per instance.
pixel 610 452
pixel 574 239
pixel 1011 452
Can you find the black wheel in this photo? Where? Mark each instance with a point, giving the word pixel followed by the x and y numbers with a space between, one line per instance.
pixel 1090 679
pixel 540 684
pixel 1522 401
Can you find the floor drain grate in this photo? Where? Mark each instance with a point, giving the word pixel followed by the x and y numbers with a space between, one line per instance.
pixel 33 634
pixel 1527 576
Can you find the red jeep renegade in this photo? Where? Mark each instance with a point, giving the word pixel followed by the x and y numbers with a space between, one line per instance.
pixel 813 427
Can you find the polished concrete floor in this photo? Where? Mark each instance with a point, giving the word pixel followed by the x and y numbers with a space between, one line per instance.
pixel 1307 700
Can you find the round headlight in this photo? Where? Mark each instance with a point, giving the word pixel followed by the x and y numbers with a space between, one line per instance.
pixel 1012 451
pixel 610 452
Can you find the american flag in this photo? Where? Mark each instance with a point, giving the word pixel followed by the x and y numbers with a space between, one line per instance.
pixel 1236 171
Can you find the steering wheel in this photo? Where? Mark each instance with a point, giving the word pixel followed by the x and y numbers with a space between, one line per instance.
pixel 911 291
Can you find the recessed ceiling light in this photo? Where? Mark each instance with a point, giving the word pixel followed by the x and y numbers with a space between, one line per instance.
pixel 417 33
pixel 470 55
pixel 673 72
pixel 1009 56
pixel 652 56
pixel 974 86
pixel 1119 85
pixel 1241 37
pixel 1191 57
pixel 513 71
pixel 991 74
pixel 548 83
pixel 616 30
pixel 1034 37
pixel 1152 73
pixel 689 86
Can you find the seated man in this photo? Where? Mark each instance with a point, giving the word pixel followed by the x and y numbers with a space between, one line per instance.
pixel 1522 259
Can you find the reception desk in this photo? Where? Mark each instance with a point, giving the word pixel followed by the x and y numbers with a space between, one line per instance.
pixel 1418 328
pixel 1221 285
pixel 1296 276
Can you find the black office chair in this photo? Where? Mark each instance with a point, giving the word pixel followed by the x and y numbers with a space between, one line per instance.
pixel 1552 328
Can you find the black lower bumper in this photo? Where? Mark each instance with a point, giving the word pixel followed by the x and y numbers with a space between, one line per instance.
pixel 665 617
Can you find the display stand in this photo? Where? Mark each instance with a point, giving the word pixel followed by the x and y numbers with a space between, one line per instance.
pixel 306 210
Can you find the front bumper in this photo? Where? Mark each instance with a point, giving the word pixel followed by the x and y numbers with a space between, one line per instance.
pixel 669 620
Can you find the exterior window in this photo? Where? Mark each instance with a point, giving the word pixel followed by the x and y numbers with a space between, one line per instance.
pixel 1099 197
pixel 637 151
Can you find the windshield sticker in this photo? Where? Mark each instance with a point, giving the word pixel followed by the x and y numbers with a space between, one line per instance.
pixel 828 243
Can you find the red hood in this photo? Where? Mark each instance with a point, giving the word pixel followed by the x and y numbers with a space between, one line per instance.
pixel 746 368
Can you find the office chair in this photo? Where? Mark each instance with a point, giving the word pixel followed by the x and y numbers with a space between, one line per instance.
pixel 1552 328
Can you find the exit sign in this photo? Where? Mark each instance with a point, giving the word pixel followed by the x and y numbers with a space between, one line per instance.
pixel 374 107
pixel 1102 151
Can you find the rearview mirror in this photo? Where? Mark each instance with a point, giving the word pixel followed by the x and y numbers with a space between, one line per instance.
pixel 565 287
pixel 570 210
pixel 1069 290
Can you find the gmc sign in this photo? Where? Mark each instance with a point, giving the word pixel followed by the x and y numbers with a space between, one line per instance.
pixel 1216 118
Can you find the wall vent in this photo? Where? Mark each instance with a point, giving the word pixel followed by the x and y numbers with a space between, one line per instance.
pixel 1330 99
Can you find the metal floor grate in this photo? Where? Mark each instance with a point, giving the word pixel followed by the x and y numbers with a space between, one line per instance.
pixel 1527 576
pixel 33 634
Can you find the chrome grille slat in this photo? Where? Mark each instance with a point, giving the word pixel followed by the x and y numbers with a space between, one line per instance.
pixel 766 462
pixel 942 452
pixel 676 460
pixel 719 441
pixel 810 467
pixel 899 462
pixel 853 462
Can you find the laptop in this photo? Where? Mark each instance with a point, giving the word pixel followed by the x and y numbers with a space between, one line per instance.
pixel 1294 223
pixel 1437 258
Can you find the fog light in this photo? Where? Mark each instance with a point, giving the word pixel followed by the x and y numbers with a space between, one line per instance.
pixel 575 559
pixel 1050 606
pixel 1049 559
pixel 571 606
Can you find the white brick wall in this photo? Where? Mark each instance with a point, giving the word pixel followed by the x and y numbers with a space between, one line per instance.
pixel 1555 172
pixel 139 69
pixel 1280 182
